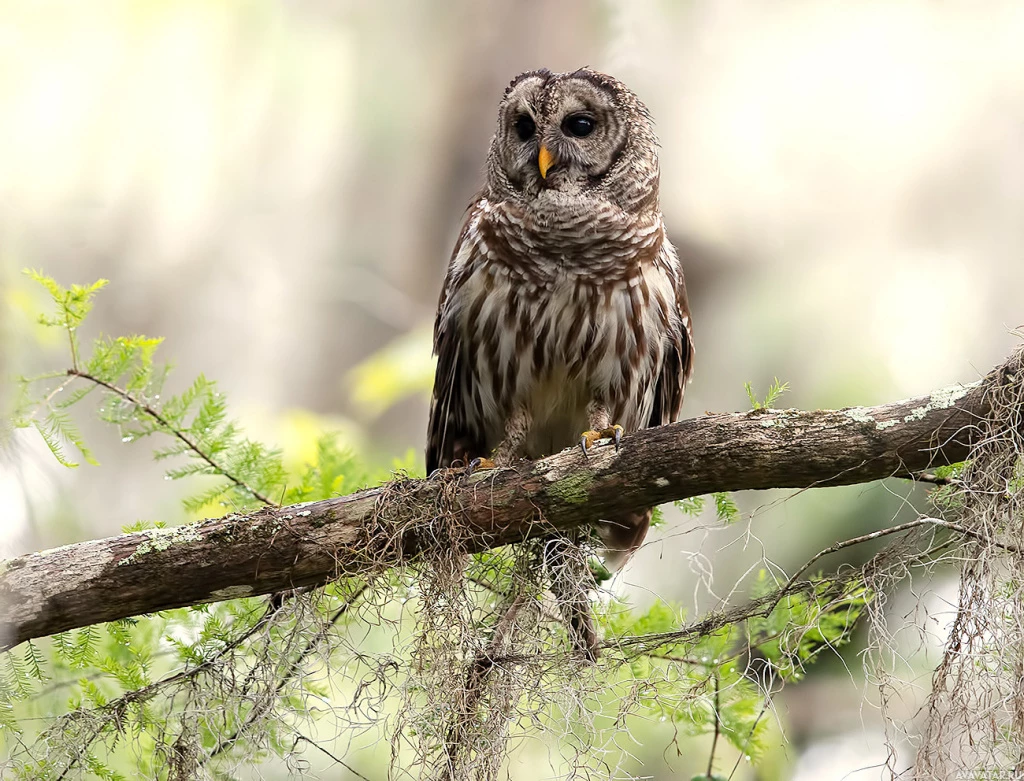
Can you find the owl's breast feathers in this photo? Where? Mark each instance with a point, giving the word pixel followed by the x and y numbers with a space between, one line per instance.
pixel 549 316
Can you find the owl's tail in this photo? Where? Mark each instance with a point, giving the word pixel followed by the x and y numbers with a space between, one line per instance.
pixel 622 536
pixel 571 583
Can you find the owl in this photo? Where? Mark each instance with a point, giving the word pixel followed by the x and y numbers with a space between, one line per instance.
pixel 563 317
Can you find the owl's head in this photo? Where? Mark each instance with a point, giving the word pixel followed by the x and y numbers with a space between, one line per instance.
pixel 577 137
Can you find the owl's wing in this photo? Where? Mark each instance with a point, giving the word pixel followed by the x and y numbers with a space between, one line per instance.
pixel 451 434
pixel 678 364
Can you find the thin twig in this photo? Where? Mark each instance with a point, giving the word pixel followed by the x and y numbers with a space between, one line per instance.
pixel 85 748
pixel 718 726
pixel 148 691
pixel 172 430
pixel 750 735
pixel 924 521
pixel 682 659
pixel 71 339
pixel 299 736
pixel 45 403
pixel 761 607
pixel 1006 546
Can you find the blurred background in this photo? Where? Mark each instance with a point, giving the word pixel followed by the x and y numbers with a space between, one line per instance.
pixel 275 187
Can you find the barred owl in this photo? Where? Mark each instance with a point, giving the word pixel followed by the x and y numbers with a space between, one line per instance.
pixel 563 317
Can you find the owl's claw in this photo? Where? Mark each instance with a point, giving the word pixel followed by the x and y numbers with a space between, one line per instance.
pixel 590 439
pixel 478 464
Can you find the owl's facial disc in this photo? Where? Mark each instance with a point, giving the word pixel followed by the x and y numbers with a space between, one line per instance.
pixel 568 136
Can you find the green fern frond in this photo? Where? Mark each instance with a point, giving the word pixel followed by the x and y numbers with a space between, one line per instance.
pixel 16 679
pixel 216 495
pixel 61 425
pixel 178 407
pixel 35 662
pixel 63 647
pixel 191 469
pixel 693 506
pixel 53 443
pixel 99 769
pixel 775 390
pixel 83 648
pixel 725 507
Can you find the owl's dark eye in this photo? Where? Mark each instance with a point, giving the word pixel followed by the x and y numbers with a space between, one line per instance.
pixel 579 125
pixel 525 127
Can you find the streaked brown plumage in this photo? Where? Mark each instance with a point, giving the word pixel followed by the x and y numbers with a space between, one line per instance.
pixel 564 306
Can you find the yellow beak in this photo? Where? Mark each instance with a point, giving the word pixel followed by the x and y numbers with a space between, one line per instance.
pixel 544 161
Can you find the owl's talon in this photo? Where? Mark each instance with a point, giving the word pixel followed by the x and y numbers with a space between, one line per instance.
pixel 617 436
pixel 478 464
pixel 587 441
pixel 591 439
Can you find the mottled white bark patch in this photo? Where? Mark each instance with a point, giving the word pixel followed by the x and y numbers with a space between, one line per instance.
pixel 942 398
pixel 162 539
pixel 863 415
pixel 859 414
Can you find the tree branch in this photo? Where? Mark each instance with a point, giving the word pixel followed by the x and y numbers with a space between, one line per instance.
pixel 274 549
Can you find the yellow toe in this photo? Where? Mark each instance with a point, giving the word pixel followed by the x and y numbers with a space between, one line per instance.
pixel 589 439
pixel 480 464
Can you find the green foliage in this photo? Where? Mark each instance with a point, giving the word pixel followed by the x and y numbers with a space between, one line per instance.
pixel 98 672
pixel 726 510
pixel 141 526
pixel 123 371
pixel 661 617
pixel 775 390
pixel 713 664
pixel 950 471
pixel 806 624
pixel 949 498
pixel 495 569
pixel 693 506
pixel 696 684
pixel 657 518
pixel 334 472
pixel 57 430
pixel 71 305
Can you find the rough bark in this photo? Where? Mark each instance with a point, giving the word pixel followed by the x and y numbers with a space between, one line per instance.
pixel 277 549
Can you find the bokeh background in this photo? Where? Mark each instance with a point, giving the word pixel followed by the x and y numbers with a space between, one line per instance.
pixel 275 186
